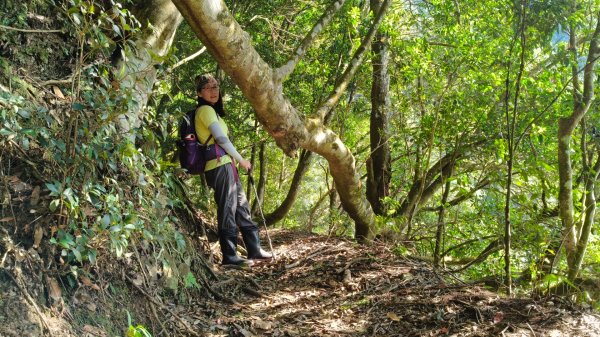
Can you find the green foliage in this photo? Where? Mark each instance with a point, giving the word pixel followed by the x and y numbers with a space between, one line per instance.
pixel 136 331
pixel 108 193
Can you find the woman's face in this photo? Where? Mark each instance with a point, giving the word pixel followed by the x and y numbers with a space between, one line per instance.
pixel 210 91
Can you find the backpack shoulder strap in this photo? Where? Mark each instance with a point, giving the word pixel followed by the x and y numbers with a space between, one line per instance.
pixel 207 139
pixel 210 136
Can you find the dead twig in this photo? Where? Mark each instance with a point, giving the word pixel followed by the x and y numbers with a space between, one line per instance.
pixel 215 293
pixel 6 188
pixel 160 321
pixel 31 30
pixel 4 258
pixel 153 300
pixel 252 292
pixel 318 252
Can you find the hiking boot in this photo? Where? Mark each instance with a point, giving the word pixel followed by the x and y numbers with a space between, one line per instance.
pixel 230 257
pixel 252 242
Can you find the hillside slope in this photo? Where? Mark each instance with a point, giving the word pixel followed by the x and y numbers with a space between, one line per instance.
pixel 317 286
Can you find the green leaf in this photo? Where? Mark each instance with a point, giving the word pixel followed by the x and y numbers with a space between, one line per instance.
pixel 24 113
pixel 105 220
pixel 76 18
pixel 77 106
pixel 54 205
pixel 92 256
pixel 116 29
pixel 77 254
pixel 54 188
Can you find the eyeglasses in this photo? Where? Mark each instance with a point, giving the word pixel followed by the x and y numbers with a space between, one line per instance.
pixel 214 87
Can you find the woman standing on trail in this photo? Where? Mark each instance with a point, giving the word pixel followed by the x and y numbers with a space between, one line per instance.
pixel 221 176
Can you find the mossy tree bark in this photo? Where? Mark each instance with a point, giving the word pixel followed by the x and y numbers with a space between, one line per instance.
pixel 576 233
pixel 134 67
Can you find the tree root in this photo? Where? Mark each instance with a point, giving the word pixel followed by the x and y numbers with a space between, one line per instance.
pixel 45 326
pixel 185 324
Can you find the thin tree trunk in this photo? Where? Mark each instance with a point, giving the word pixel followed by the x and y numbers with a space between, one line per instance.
pixel 262 179
pixel 379 163
pixel 511 123
pixel 566 126
pixel 589 213
pixel 441 225
pixel 303 166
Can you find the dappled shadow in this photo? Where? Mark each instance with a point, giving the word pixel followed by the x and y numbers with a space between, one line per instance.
pixel 323 286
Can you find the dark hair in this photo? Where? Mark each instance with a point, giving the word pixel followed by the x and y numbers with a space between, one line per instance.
pixel 201 81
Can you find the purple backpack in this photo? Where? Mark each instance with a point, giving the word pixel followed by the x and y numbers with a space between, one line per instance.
pixel 193 155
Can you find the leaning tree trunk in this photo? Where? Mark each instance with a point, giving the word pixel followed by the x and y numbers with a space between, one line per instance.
pixel 135 67
pixel 573 232
pixel 232 48
pixel 591 176
pixel 425 186
pixel 379 164
pixel 290 198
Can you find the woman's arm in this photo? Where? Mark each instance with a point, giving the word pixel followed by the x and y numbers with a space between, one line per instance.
pixel 224 142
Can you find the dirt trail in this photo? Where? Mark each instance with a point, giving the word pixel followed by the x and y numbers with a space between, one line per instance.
pixel 330 287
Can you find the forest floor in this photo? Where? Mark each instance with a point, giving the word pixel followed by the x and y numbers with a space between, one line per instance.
pixel 321 286
pixel 317 286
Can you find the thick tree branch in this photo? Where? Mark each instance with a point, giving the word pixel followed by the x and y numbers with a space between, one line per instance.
pixel 464 196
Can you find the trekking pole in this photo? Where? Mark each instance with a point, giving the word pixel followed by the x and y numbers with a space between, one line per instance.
pixel 251 180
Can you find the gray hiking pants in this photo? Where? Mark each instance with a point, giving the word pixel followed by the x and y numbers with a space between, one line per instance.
pixel 232 205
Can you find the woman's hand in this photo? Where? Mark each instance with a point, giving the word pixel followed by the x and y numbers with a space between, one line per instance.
pixel 245 164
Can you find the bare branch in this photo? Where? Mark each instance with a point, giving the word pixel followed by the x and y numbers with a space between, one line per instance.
pixel 31 30
pixel 285 70
pixel 187 59
pixel 356 61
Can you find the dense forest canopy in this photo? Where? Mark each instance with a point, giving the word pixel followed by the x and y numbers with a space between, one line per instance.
pixel 466 133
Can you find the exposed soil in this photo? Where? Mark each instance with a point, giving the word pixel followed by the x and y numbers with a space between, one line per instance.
pixel 317 286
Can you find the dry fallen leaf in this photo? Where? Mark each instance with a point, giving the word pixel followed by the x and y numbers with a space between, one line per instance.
pixel 498 317
pixel 35 196
pixel 88 283
pixel 262 325
pixel 138 280
pixel 347 276
pixel 90 330
pixel 54 291
pixel 38 233
pixel 91 307
pixel 393 317
pixel 57 92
